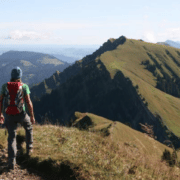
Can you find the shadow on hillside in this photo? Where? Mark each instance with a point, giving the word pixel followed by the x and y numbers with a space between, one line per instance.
pixel 169 82
pixel 94 90
pixel 47 169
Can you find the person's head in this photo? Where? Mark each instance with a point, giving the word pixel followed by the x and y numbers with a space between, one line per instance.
pixel 16 74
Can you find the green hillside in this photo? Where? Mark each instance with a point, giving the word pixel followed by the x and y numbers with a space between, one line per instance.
pixel 125 80
pixel 129 59
pixel 119 133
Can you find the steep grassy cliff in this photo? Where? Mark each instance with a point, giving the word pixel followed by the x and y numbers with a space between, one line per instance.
pixel 122 81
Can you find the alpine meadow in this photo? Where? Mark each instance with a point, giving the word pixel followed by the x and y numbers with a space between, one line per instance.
pixel 114 114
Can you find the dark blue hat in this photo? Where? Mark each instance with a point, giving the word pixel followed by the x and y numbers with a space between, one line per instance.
pixel 16 73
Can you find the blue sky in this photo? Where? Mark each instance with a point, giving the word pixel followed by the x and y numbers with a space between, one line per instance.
pixel 87 22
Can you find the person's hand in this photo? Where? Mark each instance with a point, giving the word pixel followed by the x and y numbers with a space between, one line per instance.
pixel 1 119
pixel 32 120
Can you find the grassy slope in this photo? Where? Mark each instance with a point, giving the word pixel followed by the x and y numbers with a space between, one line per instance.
pixel 120 133
pixel 128 58
pixel 125 153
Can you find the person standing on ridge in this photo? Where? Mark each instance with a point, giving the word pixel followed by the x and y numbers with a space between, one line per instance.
pixel 13 97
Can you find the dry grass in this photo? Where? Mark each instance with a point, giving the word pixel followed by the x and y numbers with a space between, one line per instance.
pixel 89 155
pixel 97 157
pixel 3 138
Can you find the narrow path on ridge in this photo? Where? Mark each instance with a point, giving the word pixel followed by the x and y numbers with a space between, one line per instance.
pixel 21 172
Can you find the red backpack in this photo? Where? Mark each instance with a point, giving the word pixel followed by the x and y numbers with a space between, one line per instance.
pixel 14 101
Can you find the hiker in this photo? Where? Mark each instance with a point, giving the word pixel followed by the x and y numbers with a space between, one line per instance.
pixel 13 97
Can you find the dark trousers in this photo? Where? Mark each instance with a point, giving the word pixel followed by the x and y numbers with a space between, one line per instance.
pixel 12 124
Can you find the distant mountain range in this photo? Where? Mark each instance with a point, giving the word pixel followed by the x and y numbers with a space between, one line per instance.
pixel 67 59
pixel 170 43
pixel 68 53
pixel 35 66
pixel 173 44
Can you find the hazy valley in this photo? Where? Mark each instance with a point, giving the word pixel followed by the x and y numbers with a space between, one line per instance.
pixel 35 66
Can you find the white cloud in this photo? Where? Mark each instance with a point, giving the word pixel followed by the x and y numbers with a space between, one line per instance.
pixel 149 36
pixel 24 37
pixel 51 32
pixel 27 35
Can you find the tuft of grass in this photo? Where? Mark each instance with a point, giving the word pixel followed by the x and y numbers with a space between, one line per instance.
pixel 3 138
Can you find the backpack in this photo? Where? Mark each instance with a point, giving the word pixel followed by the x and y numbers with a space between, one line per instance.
pixel 14 101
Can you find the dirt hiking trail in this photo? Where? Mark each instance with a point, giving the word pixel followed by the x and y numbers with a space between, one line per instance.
pixel 21 171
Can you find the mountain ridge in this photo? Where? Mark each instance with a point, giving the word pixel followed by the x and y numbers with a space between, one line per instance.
pixel 77 66
pixel 104 82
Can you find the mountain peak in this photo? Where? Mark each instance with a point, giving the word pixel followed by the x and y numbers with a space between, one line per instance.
pixel 111 44
pixel 115 42
pixel 111 40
